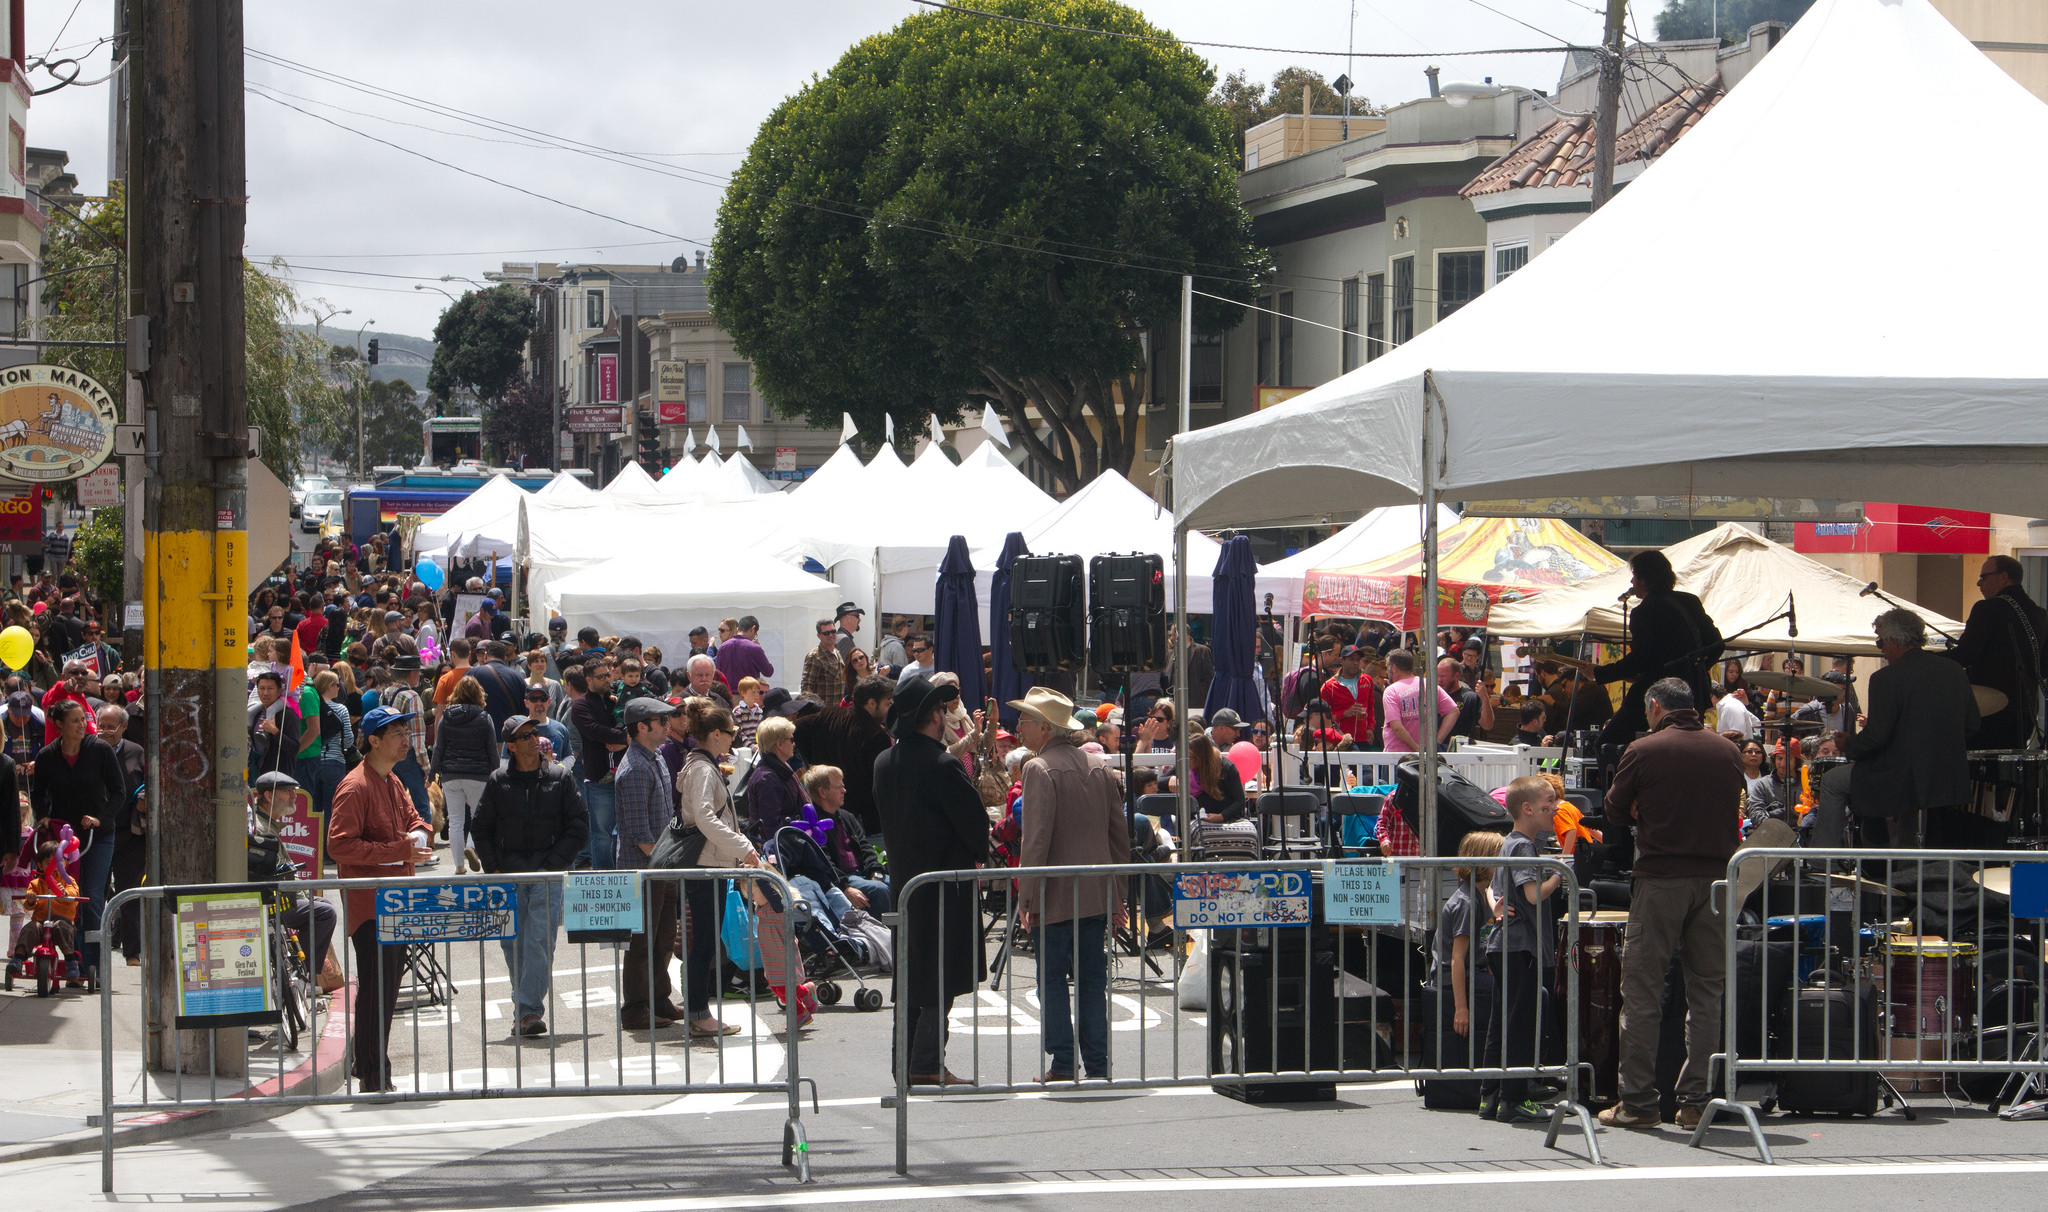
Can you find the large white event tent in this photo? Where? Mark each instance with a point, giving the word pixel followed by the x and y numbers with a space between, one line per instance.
pixel 1109 515
pixel 565 485
pixel 659 600
pixel 484 523
pixel 1742 578
pixel 1692 370
pixel 1379 533
pixel 558 538
pixel 632 483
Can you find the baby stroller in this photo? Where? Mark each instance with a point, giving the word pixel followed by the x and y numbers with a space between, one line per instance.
pixel 829 943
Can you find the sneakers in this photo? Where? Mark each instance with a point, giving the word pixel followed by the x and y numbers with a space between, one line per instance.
pixel 1489 1106
pixel 1619 1116
pixel 1524 1112
pixel 1689 1117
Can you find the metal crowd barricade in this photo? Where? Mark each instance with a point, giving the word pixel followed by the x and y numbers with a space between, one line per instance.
pixel 1906 968
pixel 435 1053
pixel 1343 1032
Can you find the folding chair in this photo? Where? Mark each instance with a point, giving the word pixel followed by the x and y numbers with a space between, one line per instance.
pixel 1356 804
pixel 1276 809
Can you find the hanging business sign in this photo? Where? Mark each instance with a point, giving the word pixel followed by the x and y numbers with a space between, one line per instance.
pixel 607 378
pixel 594 418
pixel 55 423
pixel 671 392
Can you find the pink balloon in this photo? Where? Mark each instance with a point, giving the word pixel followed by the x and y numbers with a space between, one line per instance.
pixel 1245 756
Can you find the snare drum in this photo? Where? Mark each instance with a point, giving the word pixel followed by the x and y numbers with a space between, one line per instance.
pixel 1821 765
pixel 2006 767
pixel 1930 986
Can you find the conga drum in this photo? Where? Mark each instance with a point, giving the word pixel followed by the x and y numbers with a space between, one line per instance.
pixel 1599 964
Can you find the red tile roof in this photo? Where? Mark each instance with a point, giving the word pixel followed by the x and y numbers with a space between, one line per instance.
pixel 1561 154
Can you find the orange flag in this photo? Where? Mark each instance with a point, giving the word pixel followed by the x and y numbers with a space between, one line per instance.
pixel 297 681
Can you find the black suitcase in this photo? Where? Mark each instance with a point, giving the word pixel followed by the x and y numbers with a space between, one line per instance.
pixel 1455 1051
pixel 1462 806
pixel 1841 1025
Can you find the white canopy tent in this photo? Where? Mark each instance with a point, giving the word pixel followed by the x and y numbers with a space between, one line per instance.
pixel 484 523
pixel 742 478
pixel 1742 578
pixel 833 477
pixel 660 600
pixel 1692 380
pixel 683 477
pixel 559 538
pixel 565 484
pixel 631 482
pixel 1379 533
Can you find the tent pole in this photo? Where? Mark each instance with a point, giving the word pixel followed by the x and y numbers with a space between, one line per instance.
pixel 1431 407
pixel 1180 681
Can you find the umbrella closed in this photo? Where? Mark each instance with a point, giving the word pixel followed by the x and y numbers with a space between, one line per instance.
pixel 956 643
pixel 1233 640
pixel 1011 682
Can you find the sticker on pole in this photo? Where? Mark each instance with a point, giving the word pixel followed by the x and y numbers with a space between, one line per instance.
pixel 1362 894
pixel 602 906
pixel 1208 900
pixel 446 913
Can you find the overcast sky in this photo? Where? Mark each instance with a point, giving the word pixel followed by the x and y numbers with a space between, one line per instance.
pixel 683 84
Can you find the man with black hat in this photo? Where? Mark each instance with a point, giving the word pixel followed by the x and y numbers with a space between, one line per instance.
pixel 530 818
pixel 935 822
pixel 373 832
pixel 848 617
pixel 644 790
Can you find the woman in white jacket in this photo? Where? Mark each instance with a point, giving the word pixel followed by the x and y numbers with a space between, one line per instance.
pixel 707 805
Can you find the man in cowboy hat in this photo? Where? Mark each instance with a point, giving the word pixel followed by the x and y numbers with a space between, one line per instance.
pixel 1073 816
pixel 934 822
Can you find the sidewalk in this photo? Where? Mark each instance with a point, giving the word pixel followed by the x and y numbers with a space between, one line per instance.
pixel 52 1046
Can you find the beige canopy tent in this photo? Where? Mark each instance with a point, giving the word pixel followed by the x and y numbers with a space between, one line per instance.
pixel 1742 578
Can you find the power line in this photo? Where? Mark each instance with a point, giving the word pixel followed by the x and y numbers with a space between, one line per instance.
pixel 1167 40
pixel 484 252
pixel 1563 43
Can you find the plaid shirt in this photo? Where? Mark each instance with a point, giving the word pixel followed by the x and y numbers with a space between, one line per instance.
pixel 1396 839
pixel 407 698
pixel 824 676
pixel 644 791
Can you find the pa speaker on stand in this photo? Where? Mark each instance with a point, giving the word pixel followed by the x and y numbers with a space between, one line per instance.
pixel 1127 613
pixel 1047 622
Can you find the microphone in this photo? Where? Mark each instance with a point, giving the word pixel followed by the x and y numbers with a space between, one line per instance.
pixel 1791 616
pixel 1626 594
pixel 1867 590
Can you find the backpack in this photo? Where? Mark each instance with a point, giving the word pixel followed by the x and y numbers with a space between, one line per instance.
pixel 881 944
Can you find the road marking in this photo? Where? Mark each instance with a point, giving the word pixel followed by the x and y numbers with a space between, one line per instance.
pixel 1156 1188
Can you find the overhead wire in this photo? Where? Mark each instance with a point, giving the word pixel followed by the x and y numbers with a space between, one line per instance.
pixel 1168 40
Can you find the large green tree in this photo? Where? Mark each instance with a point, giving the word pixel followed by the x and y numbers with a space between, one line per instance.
pixel 394 420
pixel 1696 18
pixel 969 209
pixel 480 345
pixel 1248 102
pixel 290 397
pixel 523 423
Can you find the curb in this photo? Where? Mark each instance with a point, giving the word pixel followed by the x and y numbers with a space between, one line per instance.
pixel 318 1073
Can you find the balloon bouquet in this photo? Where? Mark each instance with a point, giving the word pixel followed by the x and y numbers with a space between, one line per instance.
pixel 429 574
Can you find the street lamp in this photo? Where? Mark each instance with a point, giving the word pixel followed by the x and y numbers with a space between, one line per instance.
pixel 460 278
pixel 319 319
pixel 360 383
pixel 423 286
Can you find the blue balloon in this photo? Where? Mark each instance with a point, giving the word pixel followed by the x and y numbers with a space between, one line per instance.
pixel 429 574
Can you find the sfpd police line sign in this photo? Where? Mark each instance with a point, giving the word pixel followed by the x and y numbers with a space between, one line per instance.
pixel 446 913
pixel 1208 900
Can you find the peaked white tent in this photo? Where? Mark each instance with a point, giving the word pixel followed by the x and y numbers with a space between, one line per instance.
pixel 683 476
pixel 932 469
pixel 660 600
pixel 1379 533
pixel 565 485
pixel 742 479
pixel 558 538
pixel 1692 377
pixel 832 476
pixel 632 482
pixel 480 524
pixel 1742 578
pixel 1110 514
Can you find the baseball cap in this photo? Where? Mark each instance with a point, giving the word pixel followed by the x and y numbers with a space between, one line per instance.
pixel 1226 717
pixel 509 730
pixel 394 616
pixel 641 710
pixel 536 692
pixel 558 623
pixel 21 700
pixel 380 718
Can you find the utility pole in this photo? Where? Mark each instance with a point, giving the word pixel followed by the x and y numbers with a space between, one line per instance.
pixel 187 196
pixel 1607 112
pixel 132 467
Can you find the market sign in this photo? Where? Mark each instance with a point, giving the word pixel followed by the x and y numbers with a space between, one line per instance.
pixel 55 423
pixel 594 418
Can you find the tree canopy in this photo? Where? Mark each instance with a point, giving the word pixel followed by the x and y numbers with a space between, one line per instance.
pixel 480 344
pixel 1695 18
pixel 290 398
pixel 1248 102
pixel 967 209
pixel 523 423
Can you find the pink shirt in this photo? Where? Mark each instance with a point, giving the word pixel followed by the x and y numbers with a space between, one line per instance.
pixel 1403 702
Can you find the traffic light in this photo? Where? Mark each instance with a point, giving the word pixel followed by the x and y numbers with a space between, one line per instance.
pixel 371 356
pixel 648 441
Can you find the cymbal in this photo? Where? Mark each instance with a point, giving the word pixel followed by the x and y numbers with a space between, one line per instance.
pixel 1989 701
pixel 1558 658
pixel 1795 727
pixel 1791 683
pixel 1842 880
pixel 1995 880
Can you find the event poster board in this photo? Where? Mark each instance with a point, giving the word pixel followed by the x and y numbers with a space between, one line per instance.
pixel 224 960
pixel 466 607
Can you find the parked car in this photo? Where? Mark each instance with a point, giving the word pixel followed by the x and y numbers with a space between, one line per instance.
pixel 304 485
pixel 321 506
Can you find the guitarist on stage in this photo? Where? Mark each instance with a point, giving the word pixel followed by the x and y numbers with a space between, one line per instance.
pixel 1673 637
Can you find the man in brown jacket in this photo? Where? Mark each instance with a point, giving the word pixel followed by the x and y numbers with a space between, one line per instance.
pixel 1073 816
pixel 1680 786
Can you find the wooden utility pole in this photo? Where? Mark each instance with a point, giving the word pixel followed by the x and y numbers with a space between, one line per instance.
pixel 187 195
pixel 1607 112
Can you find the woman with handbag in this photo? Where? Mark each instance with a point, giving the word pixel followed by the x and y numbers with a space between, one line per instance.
pixel 706 804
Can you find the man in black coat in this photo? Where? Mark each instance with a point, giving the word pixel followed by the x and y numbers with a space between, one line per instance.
pixel 1912 753
pixel 1670 637
pixel 2002 648
pixel 851 738
pixel 530 818
pixel 935 822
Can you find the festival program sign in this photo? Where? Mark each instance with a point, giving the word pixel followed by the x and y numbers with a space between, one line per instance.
pixel 223 960
pixel 55 423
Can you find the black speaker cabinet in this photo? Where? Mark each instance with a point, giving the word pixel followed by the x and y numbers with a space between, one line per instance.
pixel 1127 613
pixel 1047 618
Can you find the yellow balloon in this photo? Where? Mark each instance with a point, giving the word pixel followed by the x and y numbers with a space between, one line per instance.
pixel 16 645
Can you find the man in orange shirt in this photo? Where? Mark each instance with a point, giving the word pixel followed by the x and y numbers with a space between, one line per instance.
pixel 372 831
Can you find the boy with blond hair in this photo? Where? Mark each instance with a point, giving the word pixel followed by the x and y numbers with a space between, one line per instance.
pixel 1519 952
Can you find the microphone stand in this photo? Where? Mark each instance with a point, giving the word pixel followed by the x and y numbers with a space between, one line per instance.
pixel 1871 590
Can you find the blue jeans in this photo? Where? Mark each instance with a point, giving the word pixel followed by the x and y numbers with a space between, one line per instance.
pixel 603 848
pixel 530 955
pixel 876 891
pixel 307 771
pixel 95 867
pixel 326 779
pixel 1055 963
pixel 414 777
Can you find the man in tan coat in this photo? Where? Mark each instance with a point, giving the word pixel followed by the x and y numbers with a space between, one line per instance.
pixel 1073 816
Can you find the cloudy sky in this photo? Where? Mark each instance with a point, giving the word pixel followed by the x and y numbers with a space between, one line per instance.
pixel 679 87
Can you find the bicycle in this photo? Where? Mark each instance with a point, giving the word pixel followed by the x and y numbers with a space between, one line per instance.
pixel 292 976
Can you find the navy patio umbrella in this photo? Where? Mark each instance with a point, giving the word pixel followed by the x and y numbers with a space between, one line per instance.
pixel 956 642
pixel 1234 633
pixel 1011 682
